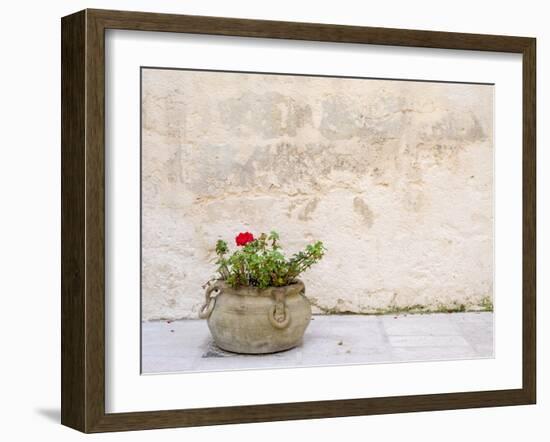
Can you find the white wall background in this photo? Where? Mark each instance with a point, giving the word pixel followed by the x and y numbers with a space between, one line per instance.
pixel 30 222
pixel 375 190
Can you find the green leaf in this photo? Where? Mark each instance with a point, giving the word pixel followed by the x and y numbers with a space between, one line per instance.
pixel 262 264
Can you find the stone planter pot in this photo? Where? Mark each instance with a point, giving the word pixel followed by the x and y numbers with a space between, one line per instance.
pixel 254 321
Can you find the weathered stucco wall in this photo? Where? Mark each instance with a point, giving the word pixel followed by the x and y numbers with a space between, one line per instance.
pixel 394 176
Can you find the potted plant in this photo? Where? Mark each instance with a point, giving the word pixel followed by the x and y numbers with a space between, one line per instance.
pixel 256 304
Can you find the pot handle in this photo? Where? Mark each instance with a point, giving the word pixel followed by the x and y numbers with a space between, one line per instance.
pixel 210 301
pixel 279 314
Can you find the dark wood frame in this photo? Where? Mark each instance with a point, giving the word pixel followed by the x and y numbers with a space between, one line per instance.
pixel 83 216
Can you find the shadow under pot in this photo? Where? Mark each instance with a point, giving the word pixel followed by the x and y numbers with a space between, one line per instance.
pixel 251 320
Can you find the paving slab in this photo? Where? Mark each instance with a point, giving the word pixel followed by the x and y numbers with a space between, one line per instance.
pixel 186 345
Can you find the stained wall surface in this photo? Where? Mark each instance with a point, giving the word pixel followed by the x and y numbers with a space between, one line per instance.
pixel 395 177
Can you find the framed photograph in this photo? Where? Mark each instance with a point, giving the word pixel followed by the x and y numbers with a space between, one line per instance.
pixel 268 220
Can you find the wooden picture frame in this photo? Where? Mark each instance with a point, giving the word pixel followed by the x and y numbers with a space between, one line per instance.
pixel 83 220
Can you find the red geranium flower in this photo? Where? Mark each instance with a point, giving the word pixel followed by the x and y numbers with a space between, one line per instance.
pixel 244 238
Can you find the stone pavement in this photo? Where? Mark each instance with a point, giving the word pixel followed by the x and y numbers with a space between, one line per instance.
pixel 186 345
